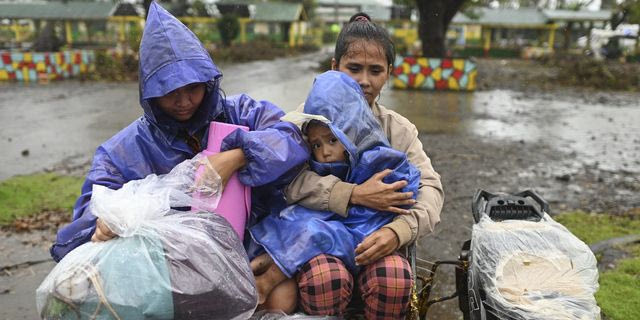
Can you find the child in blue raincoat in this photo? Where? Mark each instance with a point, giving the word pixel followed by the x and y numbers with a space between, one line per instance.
pixel 346 142
pixel 180 95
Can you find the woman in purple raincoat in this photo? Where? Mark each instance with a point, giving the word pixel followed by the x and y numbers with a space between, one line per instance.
pixel 180 95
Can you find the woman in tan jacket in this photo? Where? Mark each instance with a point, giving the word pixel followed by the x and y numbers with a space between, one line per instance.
pixel 365 52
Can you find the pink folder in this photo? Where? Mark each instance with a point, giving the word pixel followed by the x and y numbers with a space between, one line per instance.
pixel 235 202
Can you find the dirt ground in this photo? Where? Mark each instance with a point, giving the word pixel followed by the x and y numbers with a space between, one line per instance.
pixel 578 148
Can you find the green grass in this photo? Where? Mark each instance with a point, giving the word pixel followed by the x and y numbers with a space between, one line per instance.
pixel 619 291
pixel 592 228
pixel 29 195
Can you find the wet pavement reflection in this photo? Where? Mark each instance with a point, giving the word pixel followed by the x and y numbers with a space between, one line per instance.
pixel 601 134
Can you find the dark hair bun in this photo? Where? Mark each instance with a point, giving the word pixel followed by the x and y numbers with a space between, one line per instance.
pixel 360 16
pixel 360 27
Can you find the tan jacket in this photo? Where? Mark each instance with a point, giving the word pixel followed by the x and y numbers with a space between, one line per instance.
pixel 330 193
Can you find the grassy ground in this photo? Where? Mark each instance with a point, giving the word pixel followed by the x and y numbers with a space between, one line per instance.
pixel 29 195
pixel 619 291
pixel 592 228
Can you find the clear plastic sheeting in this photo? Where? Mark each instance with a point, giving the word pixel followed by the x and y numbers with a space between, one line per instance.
pixel 167 262
pixel 534 270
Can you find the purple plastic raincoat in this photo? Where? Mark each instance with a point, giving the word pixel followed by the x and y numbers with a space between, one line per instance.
pixel 171 57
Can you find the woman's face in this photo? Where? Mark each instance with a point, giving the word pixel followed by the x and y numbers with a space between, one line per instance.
pixel 183 102
pixel 365 62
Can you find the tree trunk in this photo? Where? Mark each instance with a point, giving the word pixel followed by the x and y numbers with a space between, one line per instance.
pixel 47 39
pixel 567 35
pixel 435 16
pixel 618 18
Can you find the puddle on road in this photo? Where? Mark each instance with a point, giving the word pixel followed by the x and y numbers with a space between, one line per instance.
pixel 432 112
pixel 605 135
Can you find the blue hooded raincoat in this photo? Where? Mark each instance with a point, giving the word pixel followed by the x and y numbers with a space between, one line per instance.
pixel 171 57
pixel 298 234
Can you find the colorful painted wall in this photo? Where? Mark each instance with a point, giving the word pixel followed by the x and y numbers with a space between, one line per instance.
pixel 44 66
pixel 434 73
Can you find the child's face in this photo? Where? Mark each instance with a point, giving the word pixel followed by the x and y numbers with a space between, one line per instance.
pixel 365 62
pixel 324 145
pixel 183 102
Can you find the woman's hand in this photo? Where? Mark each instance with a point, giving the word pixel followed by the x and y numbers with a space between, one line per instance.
pixel 228 162
pixel 102 233
pixel 379 244
pixel 381 196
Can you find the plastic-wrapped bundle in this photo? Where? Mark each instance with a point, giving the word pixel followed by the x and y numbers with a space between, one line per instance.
pixel 534 270
pixel 166 263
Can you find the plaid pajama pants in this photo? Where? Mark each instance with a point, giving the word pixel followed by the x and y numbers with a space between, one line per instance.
pixel 326 287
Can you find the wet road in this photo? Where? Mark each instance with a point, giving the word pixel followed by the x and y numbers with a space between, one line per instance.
pixel 600 133
pixel 577 151
pixel 42 125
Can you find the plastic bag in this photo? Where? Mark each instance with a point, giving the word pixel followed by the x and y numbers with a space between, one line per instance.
pixel 279 315
pixel 166 263
pixel 534 270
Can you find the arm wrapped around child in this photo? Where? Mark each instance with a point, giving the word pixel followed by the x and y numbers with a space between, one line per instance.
pixel 349 145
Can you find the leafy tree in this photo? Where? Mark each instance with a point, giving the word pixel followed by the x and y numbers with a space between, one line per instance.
pixel 627 11
pixel 435 17
pixel 47 40
pixel 199 9
pixel 634 11
pixel 229 28
pixel 178 7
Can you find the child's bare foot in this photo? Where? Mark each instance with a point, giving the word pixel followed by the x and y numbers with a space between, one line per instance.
pixel 261 263
pixel 263 290
pixel 268 280
pixel 283 297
